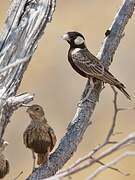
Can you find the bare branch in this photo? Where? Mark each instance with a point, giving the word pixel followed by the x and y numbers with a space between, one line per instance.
pixel 18 175
pixel 126 109
pixel 19 100
pixel 114 117
pixel 90 155
pixel 126 141
pixel 113 162
pixel 110 167
pixel 17 62
pixel 98 148
pixel 24 26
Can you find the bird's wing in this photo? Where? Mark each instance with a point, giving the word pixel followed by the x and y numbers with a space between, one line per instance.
pixel 88 63
pixel 37 138
pixel 52 136
pixel 25 137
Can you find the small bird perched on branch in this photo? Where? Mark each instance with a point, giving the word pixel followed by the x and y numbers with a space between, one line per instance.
pixel 39 136
pixel 4 164
pixel 86 64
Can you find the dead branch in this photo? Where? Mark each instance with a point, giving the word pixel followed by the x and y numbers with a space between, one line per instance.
pixel 126 141
pixel 90 159
pixel 24 26
pixel 113 162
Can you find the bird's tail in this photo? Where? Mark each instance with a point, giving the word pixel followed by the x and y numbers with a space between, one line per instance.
pixel 109 78
pixel 42 158
pixel 122 89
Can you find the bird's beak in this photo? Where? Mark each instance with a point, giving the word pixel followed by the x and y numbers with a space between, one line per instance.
pixel 66 37
pixel 5 143
pixel 28 111
pixel 25 105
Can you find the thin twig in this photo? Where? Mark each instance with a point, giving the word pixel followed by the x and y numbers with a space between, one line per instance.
pixel 126 141
pixel 17 62
pixel 114 116
pixel 110 167
pixel 77 166
pixel 18 175
pixel 113 162
pixel 126 109
pixel 106 141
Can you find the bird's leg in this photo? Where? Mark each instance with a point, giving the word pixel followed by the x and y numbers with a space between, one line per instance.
pixel 88 93
pixel 34 160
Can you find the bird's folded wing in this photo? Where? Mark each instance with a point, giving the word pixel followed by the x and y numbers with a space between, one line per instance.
pixel 52 136
pixel 88 63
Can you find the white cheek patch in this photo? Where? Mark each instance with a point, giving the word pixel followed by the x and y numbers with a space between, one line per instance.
pixel 79 40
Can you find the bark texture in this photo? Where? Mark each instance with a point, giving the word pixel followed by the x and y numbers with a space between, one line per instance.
pixel 24 26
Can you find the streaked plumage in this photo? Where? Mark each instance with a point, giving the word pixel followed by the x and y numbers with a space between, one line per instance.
pixel 39 136
pixel 4 164
pixel 86 64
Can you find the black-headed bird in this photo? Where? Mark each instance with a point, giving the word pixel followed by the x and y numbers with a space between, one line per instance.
pixel 86 64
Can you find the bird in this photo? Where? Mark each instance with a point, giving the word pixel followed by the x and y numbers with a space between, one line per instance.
pixel 88 65
pixel 4 164
pixel 39 136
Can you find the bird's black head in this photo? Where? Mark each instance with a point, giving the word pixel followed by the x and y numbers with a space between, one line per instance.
pixel 75 39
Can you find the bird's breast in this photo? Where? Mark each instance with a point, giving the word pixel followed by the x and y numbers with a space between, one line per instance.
pixel 36 137
pixel 70 59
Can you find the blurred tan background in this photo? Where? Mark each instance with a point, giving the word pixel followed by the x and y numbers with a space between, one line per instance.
pixel 58 88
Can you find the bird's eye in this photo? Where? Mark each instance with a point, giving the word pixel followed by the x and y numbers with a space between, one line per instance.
pixel 37 109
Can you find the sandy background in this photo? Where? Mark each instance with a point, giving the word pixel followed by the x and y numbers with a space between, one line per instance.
pixel 58 88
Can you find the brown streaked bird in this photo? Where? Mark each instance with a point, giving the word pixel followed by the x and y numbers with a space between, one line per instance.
pixel 4 164
pixel 86 64
pixel 39 136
